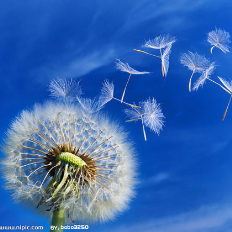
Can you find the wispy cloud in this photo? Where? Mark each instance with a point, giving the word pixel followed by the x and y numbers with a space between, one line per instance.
pixel 206 219
pixel 160 177
pixel 143 11
pixel 77 66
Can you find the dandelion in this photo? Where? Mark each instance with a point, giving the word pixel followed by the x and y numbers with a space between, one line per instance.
pixel 150 115
pixel 164 45
pixel 220 39
pixel 228 89
pixel 65 162
pixel 204 76
pixel 195 62
pixel 126 68
pixel 65 89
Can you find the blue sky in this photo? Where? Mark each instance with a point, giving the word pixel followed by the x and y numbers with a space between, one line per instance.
pixel 185 172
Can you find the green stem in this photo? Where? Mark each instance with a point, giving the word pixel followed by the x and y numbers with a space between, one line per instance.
pixel 57 220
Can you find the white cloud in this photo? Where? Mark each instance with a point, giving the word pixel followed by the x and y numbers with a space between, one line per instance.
pixel 149 10
pixel 206 219
pixel 160 177
pixel 76 67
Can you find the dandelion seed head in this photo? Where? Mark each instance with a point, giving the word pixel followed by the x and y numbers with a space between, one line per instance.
pixel 205 74
pixel 194 61
pixel 220 39
pixel 58 155
pixel 126 68
pixel 160 42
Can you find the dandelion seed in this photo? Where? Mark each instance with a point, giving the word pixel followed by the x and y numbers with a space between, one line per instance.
pixel 135 115
pixel 89 105
pixel 126 68
pixel 228 86
pixel 150 114
pixel 220 39
pixel 195 62
pixel 165 61
pixel 160 42
pixel 164 44
pixel 85 168
pixel 204 76
pixel 107 94
pixel 65 89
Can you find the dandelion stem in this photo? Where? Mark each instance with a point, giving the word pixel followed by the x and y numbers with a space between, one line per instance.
pixel 226 109
pixel 126 103
pixel 190 80
pixel 146 53
pixel 58 220
pixel 218 85
pixel 124 91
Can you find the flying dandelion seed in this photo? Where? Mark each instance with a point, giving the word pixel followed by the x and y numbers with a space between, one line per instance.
pixel 204 76
pixel 62 160
pixel 150 115
pixel 160 42
pixel 220 39
pixel 126 68
pixel 89 105
pixel 66 90
pixel 228 89
pixel 195 62
pixel 165 61
pixel 164 45
pixel 107 94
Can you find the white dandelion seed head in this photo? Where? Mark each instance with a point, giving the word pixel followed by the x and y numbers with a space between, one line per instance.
pixel 60 156
pixel 227 84
pixel 194 61
pixel 220 39
pixel 126 68
pixel 160 42
pixel 205 74
pixel 65 89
